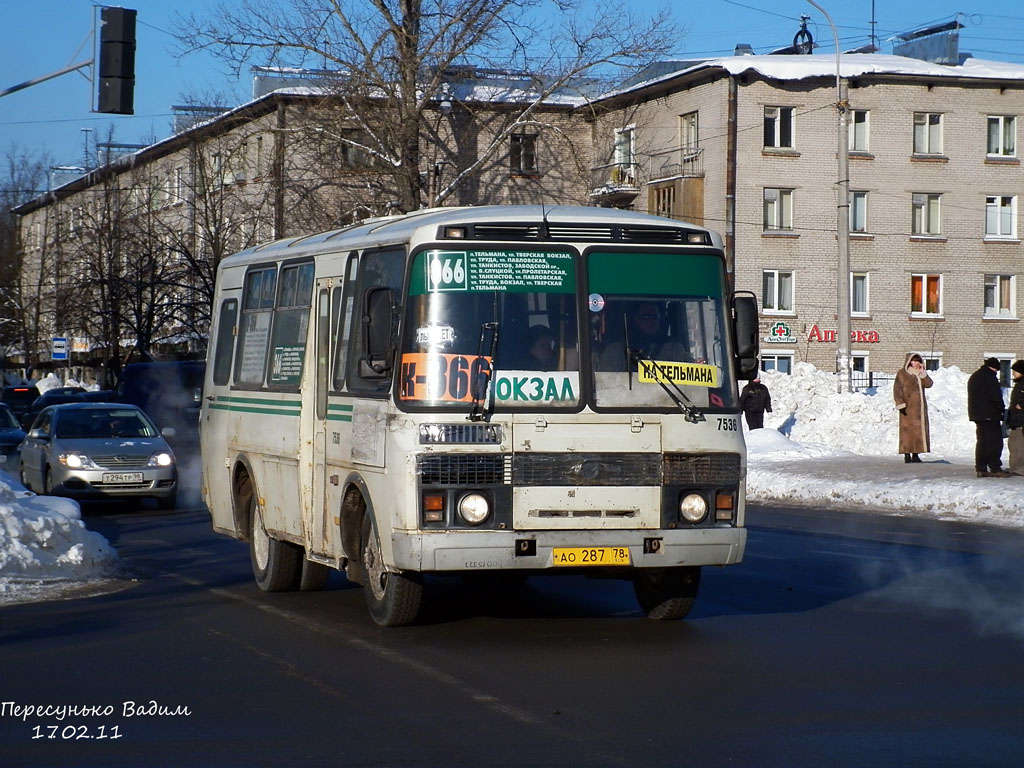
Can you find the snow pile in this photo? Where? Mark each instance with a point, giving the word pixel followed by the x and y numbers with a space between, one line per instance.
pixel 44 541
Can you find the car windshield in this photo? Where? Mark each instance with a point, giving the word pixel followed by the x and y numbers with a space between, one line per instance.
pixel 7 420
pixel 103 423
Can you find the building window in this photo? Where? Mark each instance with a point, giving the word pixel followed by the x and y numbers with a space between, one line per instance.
pixel 859 130
pixel 778 209
pixel 927 133
pixel 523 153
pixel 859 212
pixel 859 294
pixel 999 295
pixel 777 291
pixel 625 146
pixel 688 131
pixel 778 127
pixel 781 363
pixel 1001 216
pixel 926 295
pixel 1002 135
pixel 926 218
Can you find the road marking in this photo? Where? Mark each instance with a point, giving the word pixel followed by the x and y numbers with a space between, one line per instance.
pixel 394 657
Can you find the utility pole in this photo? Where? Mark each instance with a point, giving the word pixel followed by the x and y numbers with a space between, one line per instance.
pixel 842 223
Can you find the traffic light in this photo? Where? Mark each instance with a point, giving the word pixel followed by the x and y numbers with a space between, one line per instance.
pixel 117 61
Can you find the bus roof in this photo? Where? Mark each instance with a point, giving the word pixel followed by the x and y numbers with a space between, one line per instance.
pixel 508 223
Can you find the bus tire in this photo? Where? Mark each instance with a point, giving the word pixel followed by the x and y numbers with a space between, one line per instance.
pixel 276 564
pixel 393 598
pixel 666 594
pixel 313 577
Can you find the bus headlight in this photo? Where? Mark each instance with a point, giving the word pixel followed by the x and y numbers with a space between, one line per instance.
pixel 693 508
pixel 473 508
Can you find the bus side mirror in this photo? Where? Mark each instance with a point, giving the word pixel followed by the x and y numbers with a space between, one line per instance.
pixel 745 330
pixel 378 334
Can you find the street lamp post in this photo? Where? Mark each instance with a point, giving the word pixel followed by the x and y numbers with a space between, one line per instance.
pixel 842 224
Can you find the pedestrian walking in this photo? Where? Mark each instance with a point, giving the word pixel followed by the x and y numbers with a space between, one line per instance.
pixel 908 393
pixel 755 399
pixel 1015 420
pixel 985 409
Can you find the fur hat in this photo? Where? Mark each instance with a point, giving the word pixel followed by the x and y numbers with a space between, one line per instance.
pixel 992 363
pixel 1018 366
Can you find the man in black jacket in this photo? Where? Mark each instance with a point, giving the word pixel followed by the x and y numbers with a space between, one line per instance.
pixel 754 401
pixel 985 408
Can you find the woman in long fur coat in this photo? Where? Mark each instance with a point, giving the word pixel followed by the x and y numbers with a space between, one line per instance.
pixel 908 393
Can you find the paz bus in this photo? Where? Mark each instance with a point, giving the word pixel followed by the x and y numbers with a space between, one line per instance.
pixel 510 389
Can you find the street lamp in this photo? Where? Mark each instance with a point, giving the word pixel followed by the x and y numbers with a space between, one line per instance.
pixel 842 224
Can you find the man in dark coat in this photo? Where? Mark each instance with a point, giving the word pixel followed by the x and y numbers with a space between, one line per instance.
pixel 754 401
pixel 985 408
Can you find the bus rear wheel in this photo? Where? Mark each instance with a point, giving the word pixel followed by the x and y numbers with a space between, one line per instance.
pixel 276 564
pixel 393 598
pixel 665 594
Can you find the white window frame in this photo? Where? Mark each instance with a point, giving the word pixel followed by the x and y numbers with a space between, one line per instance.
pixel 922 311
pixel 777 122
pixel 926 214
pixel 778 209
pixel 1001 136
pixel 624 148
pixel 1000 296
pixel 860 131
pixel 771 304
pixel 689 130
pixel 927 133
pixel 858 212
pixel 770 361
pixel 1000 217
pixel 865 279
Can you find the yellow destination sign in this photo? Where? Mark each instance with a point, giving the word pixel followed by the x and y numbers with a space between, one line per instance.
pixel 685 374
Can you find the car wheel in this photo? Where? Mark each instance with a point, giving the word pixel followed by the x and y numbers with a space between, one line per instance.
pixel 393 598
pixel 666 593
pixel 47 481
pixel 24 480
pixel 276 564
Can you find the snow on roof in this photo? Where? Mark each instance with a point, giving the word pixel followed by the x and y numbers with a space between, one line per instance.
pixel 795 67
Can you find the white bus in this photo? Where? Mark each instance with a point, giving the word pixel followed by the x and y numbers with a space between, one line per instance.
pixel 513 389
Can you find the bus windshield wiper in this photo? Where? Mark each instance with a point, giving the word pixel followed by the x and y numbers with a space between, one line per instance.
pixel 673 390
pixel 480 384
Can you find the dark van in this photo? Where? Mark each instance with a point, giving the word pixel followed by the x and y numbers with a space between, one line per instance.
pixel 20 398
pixel 169 392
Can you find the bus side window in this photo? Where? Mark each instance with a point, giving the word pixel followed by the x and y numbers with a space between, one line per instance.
pixel 377 270
pixel 342 324
pixel 224 349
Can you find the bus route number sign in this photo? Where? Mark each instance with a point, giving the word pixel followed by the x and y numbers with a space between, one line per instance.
pixel 442 377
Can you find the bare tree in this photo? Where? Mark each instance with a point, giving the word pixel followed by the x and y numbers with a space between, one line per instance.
pixel 394 60
pixel 21 290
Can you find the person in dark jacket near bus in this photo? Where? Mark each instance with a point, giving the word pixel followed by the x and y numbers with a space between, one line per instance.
pixel 754 401
pixel 985 409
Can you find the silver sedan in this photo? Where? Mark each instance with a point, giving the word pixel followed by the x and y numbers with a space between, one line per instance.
pixel 99 450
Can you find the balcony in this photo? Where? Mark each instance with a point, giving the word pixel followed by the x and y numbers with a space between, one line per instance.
pixel 676 163
pixel 615 183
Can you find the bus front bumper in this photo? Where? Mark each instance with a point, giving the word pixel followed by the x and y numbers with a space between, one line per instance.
pixel 536 550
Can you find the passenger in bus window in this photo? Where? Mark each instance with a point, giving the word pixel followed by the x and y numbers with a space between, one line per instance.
pixel 541 349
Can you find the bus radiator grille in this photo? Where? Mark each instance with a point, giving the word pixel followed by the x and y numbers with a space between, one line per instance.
pixel 718 469
pixel 465 469
pixel 581 469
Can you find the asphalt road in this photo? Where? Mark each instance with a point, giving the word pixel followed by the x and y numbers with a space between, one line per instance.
pixel 843 639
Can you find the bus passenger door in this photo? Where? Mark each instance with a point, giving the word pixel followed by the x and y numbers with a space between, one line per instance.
pixel 215 418
pixel 318 529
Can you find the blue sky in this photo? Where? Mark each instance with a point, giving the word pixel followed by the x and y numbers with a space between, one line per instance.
pixel 43 36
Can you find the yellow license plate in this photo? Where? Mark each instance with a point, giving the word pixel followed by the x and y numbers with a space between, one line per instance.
pixel 573 556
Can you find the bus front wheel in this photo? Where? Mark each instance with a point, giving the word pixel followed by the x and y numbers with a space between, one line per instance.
pixel 666 593
pixel 393 598
pixel 276 564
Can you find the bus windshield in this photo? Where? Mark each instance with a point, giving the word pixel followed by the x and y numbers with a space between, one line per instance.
pixel 507 314
pixel 658 330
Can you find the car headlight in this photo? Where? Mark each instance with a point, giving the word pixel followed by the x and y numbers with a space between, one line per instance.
pixel 693 507
pixel 161 459
pixel 473 508
pixel 77 461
